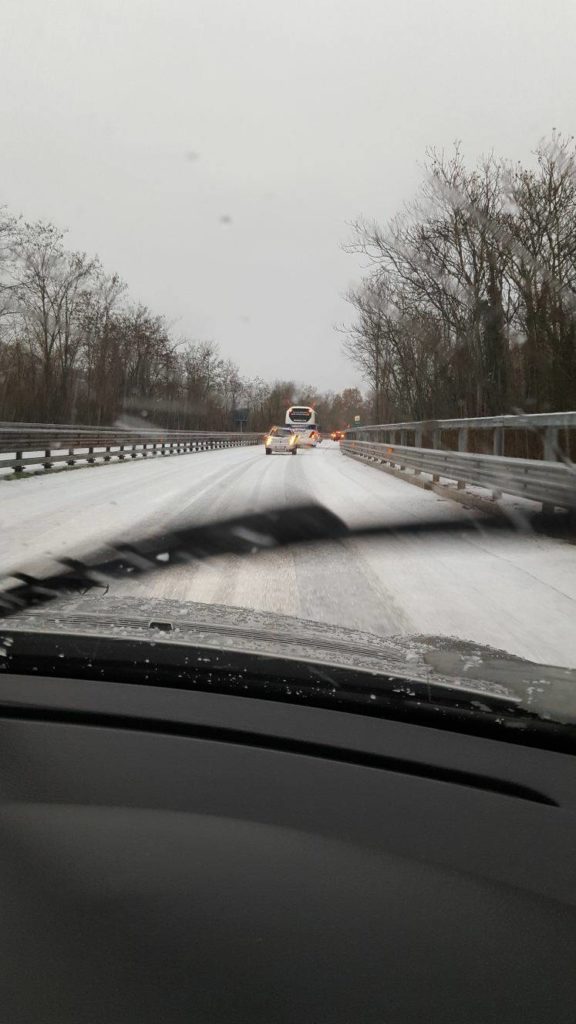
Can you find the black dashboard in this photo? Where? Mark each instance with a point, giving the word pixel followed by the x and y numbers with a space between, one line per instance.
pixel 171 856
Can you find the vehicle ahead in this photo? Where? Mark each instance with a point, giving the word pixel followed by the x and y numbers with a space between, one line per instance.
pixel 303 417
pixel 281 439
pixel 346 827
pixel 337 435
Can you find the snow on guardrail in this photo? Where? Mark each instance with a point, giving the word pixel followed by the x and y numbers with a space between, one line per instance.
pixel 43 446
pixel 552 483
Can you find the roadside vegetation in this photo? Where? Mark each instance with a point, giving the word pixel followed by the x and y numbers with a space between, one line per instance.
pixel 74 348
pixel 468 307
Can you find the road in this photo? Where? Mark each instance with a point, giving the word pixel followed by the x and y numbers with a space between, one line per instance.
pixel 514 593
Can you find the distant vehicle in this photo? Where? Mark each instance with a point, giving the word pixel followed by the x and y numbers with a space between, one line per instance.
pixel 303 418
pixel 309 438
pixel 281 439
pixel 337 435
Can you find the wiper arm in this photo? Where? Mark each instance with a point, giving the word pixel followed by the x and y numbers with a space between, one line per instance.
pixel 242 535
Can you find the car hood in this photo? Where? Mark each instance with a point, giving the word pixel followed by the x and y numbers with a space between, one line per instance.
pixel 546 691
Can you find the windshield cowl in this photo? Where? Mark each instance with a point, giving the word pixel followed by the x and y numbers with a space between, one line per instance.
pixel 462 667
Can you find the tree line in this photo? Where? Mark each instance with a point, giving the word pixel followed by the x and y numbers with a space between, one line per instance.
pixel 468 306
pixel 75 349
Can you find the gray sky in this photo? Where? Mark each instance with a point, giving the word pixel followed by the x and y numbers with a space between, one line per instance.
pixel 213 151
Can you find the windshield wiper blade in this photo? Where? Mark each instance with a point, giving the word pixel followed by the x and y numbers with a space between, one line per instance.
pixel 241 535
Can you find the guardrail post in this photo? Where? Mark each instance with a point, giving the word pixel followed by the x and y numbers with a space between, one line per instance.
pixel 47 464
pixel 133 453
pixel 436 444
pixel 70 462
pixel 462 447
pixel 121 454
pixel 402 442
pixel 498 449
pixel 107 456
pixel 550 455
pixel 145 450
pixel 551 444
pixel 90 458
pixel 19 467
pixel 417 444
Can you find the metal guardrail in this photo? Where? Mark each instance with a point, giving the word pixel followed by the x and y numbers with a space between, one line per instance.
pixel 545 425
pixel 552 483
pixel 45 445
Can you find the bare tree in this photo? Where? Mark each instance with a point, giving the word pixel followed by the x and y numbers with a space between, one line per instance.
pixel 541 233
pixel 51 296
pixel 481 263
pixel 73 347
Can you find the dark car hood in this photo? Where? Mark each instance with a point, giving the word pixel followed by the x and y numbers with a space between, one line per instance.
pixel 547 691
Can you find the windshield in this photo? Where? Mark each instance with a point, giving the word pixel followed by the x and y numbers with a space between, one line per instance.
pixel 215 217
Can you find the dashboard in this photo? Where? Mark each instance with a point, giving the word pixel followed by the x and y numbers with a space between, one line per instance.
pixel 174 856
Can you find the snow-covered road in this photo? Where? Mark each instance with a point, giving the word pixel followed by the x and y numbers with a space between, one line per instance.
pixel 515 593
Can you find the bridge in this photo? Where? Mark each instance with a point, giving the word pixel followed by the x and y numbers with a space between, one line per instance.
pixel 516 593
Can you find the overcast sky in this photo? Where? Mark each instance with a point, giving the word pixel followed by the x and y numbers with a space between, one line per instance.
pixel 213 151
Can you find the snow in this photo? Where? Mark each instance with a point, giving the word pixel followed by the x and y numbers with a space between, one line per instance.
pixel 515 593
